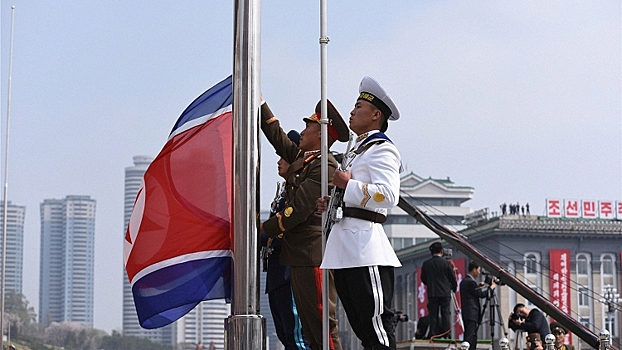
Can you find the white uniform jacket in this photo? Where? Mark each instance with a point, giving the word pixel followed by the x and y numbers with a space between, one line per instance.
pixel 374 186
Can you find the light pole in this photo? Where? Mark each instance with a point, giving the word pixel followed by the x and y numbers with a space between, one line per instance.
pixel 5 206
pixel 611 298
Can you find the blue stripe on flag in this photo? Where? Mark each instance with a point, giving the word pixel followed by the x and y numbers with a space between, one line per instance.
pixel 163 296
pixel 217 97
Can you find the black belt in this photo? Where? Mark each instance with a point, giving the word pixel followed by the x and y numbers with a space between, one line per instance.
pixel 364 215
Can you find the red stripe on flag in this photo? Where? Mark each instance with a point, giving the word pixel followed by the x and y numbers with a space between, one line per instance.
pixel 187 190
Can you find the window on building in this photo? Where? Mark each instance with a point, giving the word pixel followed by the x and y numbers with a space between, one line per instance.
pixel 398 295
pixel 607 265
pixel 532 270
pixel 610 324
pixel 531 264
pixel 401 242
pixel 584 281
pixel 401 220
pixel 608 280
pixel 607 270
pixel 512 293
pixel 422 240
pixel 583 297
pixel 582 267
pixel 407 242
pixel 437 202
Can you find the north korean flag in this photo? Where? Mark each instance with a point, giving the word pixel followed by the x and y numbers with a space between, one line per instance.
pixel 178 244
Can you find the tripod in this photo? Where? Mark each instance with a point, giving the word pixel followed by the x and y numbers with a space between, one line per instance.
pixel 492 303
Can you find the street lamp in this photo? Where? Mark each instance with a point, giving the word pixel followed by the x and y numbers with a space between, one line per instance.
pixel 611 298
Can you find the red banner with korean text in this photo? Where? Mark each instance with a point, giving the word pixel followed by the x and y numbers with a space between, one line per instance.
pixel 460 268
pixel 422 297
pixel 559 265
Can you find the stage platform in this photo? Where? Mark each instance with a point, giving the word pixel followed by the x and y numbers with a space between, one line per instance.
pixel 441 344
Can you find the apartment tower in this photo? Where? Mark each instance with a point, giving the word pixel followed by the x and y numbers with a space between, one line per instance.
pixel 67 260
pixel 14 261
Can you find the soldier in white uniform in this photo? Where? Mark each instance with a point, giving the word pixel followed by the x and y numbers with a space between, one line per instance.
pixel 358 249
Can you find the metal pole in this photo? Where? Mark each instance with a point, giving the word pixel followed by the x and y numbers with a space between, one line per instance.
pixel 245 328
pixel 6 182
pixel 610 298
pixel 324 166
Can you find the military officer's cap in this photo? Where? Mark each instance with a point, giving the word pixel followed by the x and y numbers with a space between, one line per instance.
pixel 337 128
pixel 556 327
pixel 372 92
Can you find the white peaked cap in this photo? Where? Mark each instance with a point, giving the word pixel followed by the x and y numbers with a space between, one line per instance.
pixel 371 91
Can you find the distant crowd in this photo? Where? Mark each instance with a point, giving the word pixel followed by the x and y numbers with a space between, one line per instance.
pixel 515 209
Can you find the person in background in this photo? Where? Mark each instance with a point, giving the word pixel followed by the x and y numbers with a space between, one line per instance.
pixel 439 276
pixel 358 250
pixel 470 294
pixel 299 222
pixel 278 286
pixel 528 320
pixel 534 342
pixel 560 332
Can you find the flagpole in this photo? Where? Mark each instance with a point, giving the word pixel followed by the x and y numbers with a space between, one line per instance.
pixel 324 166
pixel 245 328
pixel 6 182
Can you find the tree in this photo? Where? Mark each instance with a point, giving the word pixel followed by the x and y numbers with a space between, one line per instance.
pixel 120 342
pixel 71 335
pixel 18 315
pixel 16 303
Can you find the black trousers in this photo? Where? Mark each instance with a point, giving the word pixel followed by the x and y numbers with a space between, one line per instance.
pixel 286 320
pixel 439 325
pixel 366 294
pixel 470 333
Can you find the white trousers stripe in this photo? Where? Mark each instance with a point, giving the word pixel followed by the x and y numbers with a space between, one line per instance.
pixel 376 287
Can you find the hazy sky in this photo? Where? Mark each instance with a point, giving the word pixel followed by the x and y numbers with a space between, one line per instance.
pixel 520 100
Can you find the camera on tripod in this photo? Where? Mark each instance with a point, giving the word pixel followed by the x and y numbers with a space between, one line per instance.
pixel 488 279
pixel 447 253
pixel 399 316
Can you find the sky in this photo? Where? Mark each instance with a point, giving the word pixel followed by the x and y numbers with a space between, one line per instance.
pixel 520 100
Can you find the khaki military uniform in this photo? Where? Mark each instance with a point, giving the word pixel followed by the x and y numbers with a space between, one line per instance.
pixel 301 227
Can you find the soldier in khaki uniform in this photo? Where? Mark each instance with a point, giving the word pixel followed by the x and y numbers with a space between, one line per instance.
pixel 299 223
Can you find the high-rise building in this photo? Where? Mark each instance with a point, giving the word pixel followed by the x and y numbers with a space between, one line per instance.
pixel 14 261
pixel 204 324
pixel 131 326
pixel 67 260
